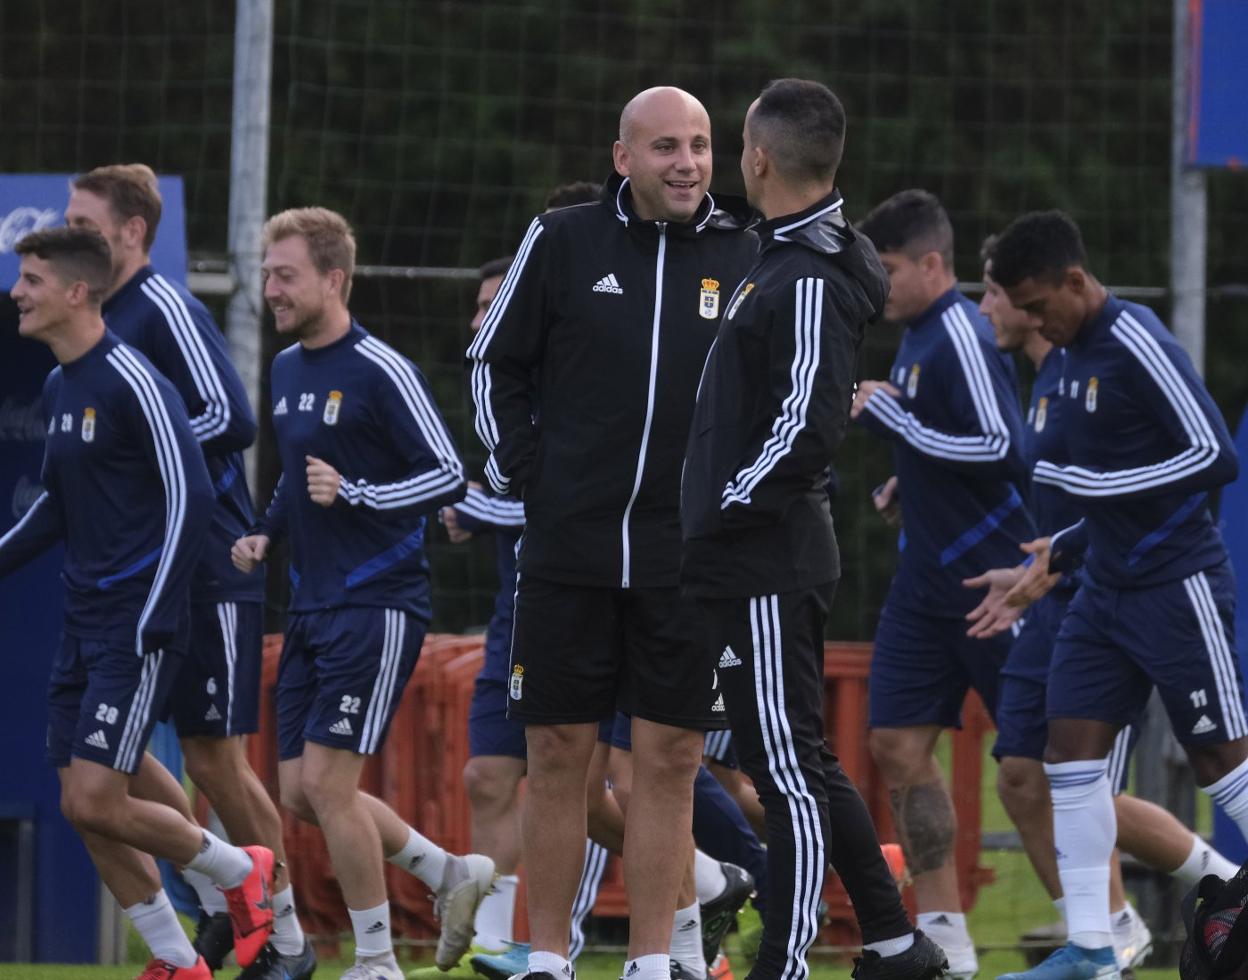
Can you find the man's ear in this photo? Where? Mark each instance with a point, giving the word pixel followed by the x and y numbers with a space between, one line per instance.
pixel 619 157
pixel 133 231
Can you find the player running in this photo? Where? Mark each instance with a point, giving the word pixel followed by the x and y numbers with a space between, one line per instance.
pixel 365 457
pixel 127 491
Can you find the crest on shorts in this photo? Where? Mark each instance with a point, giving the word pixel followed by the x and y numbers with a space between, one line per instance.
pixel 88 425
pixel 708 302
pixel 517 681
pixel 1042 414
pixel 332 406
pixel 736 303
pixel 1089 398
pixel 912 382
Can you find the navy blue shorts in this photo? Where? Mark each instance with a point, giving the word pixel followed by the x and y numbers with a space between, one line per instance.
pixel 341 677
pixel 490 731
pixel 1022 725
pixel 718 749
pixel 218 690
pixel 1115 645
pixel 104 700
pixel 923 665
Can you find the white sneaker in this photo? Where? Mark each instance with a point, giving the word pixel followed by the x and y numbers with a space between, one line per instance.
pixel 384 967
pixel 1132 940
pixel 466 882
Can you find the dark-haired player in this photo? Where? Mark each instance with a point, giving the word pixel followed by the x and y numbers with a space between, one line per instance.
pixel 950 408
pixel 127 491
pixel 1144 444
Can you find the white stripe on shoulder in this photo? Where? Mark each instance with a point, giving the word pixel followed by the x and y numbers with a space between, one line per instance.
pixel 975 369
pixel 506 290
pixel 216 414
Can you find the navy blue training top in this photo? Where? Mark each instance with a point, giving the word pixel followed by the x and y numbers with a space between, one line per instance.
pixel 177 334
pixel 1144 445
pixel 366 410
pixel 956 431
pixel 126 489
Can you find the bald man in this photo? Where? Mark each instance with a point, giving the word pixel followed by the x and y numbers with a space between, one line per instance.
pixel 584 377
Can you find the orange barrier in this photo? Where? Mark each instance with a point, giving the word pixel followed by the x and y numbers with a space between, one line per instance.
pixel 419 774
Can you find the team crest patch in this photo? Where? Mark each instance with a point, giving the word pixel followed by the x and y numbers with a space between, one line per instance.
pixel 1089 398
pixel 332 404
pixel 1042 414
pixel 708 303
pixel 88 425
pixel 736 303
pixel 912 382
pixel 517 682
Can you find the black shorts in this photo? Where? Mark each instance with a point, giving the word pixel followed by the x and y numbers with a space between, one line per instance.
pixel 580 653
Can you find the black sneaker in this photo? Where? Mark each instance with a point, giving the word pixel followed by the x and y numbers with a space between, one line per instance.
pixel 678 972
pixel 214 938
pixel 720 912
pixel 922 961
pixel 272 965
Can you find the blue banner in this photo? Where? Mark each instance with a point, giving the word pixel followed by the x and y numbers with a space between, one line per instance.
pixel 1217 109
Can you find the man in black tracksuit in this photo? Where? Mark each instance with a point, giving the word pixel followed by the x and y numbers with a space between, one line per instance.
pixel 584 376
pixel 760 555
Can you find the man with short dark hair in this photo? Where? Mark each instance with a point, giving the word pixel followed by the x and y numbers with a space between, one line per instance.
pixel 216 701
pixel 1143 446
pixel 602 326
pixel 760 555
pixel 127 491
pixel 950 408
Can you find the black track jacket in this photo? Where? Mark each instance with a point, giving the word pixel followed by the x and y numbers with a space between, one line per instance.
pixel 772 408
pixel 584 375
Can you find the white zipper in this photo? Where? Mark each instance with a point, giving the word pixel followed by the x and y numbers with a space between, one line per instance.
pixel 654 371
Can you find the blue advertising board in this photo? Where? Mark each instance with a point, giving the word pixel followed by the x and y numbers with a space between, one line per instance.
pixel 61 921
pixel 1217 109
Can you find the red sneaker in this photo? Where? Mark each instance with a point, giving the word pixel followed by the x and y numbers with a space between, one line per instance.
pixel 160 970
pixel 251 906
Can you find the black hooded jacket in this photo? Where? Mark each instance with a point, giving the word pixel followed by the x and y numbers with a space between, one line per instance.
pixel 584 375
pixel 772 409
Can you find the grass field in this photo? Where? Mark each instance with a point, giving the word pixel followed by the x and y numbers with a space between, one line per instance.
pixel 1013 903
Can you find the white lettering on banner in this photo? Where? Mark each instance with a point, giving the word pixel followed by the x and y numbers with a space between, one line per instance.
pixel 20 422
pixel 20 222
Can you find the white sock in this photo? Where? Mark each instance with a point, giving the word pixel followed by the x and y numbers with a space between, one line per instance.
pixel 1231 794
pixel 372 930
pixel 687 940
pixel 211 898
pixel 949 926
pixel 423 858
pixel 287 933
pixel 157 922
pixel 1202 860
pixel 1084 830
pixel 226 865
pixel 891 947
pixel 652 966
pixel 541 961
pixel 1120 919
pixel 496 915
pixel 709 880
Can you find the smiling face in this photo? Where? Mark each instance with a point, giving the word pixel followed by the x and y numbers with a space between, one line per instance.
pixel 43 299
pixel 665 151
pixel 299 294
